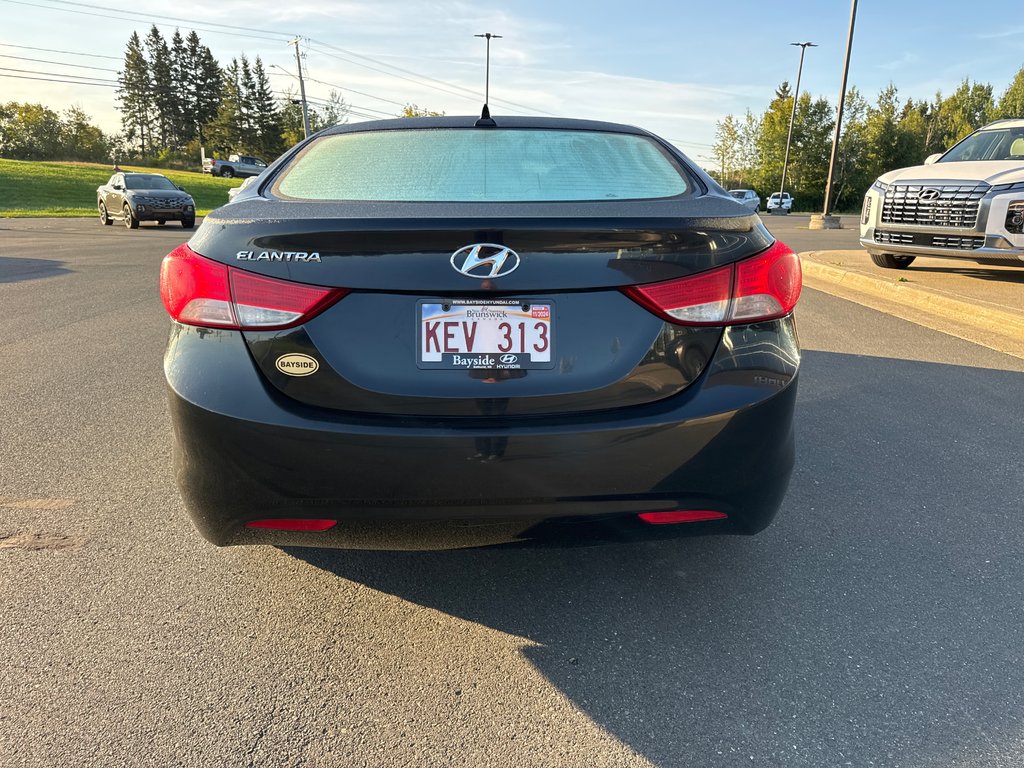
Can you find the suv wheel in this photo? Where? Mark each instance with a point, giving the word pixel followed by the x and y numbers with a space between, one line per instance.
pixel 129 218
pixel 104 217
pixel 892 261
pixel 188 223
pixel 227 172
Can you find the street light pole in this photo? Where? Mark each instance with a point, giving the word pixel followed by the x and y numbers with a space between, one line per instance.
pixel 487 81
pixel 302 88
pixel 792 116
pixel 839 121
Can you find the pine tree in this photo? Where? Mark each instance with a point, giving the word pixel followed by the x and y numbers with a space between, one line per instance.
pixel 134 95
pixel 205 86
pixel 265 117
pixel 225 132
pixel 165 101
pixel 181 69
pixel 1012 102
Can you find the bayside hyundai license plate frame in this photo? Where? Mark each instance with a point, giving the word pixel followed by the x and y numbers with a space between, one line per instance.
pixel 484 334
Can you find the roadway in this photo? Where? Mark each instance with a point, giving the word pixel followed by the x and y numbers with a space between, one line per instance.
pixel 878 622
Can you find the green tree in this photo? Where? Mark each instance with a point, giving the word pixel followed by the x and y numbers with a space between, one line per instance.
pixel 166 108
pixel 415 110
pixel 30 132
pixel 968 108
pixel 265 116
pixel 1011 104
pixel 726 149
pixel 134 96
pixel 81 140
pixel 226 131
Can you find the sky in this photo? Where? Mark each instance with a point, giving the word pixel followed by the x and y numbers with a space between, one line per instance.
pixel 675 68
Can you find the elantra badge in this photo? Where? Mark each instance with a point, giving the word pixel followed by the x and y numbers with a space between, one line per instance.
pixel 485 260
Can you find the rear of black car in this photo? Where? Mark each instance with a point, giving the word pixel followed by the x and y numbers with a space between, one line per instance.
pixel 424 333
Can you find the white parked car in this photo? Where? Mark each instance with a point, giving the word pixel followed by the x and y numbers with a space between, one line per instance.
pixel 783 202
pixel 965 204
pixel 748 197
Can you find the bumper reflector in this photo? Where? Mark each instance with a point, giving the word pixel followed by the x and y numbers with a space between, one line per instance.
pixel 681 516
pixel 294 524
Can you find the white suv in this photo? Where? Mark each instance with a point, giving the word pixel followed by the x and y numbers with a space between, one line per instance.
pixel 781 202
pixel 965 204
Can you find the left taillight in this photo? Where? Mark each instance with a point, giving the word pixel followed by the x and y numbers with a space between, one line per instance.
pixel 199 291
pixel 763 287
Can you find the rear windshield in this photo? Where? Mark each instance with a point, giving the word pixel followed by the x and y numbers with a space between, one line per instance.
pixel 482 165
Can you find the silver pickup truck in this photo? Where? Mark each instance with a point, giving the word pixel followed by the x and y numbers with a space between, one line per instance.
pixel 235 165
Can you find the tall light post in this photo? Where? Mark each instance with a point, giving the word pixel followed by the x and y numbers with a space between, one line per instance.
pixel 487 80
pixel 826 221
pixel 792 116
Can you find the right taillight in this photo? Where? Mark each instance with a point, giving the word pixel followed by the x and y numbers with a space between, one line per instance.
pixel 762 287
pixel 199 291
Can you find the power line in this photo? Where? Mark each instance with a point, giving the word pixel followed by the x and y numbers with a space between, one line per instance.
pixel 445 87
pixel 100 80
pixel 158 19
pixel 55 80
pixel 58 63
pixel 69 53
pixel 176 18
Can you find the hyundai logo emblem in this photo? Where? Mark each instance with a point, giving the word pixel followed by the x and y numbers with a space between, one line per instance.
pixel 929 194
pixel 485 260
pixel 508 359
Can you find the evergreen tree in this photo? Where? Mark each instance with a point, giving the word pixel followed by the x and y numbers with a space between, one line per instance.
pixel 265 117
pixel 205 86
pixel 134 95
pixel 165 101
pixel 225 132
pixel 184 129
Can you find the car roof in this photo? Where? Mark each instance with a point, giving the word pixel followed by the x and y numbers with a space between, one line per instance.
pixel 469 121
pixel 1012 122
pixel 142 173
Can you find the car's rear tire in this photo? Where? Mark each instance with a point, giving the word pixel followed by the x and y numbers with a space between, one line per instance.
pixel 188 223
pixel 892 261
pixel 104 216
pixel 129 218
pixel 227 172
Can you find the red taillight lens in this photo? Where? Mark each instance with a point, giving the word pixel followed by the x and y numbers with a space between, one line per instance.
pixel 762 287
pixel 296 524
pixel 199 291
pixel 681 516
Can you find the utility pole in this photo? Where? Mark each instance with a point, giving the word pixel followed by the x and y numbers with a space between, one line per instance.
pixel 792 117
pixel 827 221
pixel 487 81
pixel 302 87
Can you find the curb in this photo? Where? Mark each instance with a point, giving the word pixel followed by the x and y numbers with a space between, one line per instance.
pixel 979 316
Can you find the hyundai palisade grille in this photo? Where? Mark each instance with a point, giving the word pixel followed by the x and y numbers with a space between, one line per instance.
pixel 943 205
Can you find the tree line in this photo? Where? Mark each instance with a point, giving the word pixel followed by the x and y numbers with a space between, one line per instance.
pixel 874 138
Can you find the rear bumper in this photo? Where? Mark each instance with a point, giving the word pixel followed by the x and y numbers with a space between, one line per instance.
pixel 244 452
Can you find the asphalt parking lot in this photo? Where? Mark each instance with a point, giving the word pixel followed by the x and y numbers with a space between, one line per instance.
pixel 878 622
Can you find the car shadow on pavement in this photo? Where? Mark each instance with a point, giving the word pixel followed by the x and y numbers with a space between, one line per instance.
pixel 877 622
pixel 1000 271
pixel 15 270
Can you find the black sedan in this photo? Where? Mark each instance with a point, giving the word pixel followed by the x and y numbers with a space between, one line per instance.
pixel 134 197
pixel 443 332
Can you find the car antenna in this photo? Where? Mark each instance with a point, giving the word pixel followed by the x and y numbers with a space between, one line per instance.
pixel 485 120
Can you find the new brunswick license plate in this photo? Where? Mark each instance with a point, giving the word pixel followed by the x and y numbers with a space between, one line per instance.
pixel 485 334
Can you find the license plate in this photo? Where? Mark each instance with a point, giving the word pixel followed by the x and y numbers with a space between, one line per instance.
pixel 487 334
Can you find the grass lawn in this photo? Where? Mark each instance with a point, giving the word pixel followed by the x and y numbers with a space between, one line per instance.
pixel 30 188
